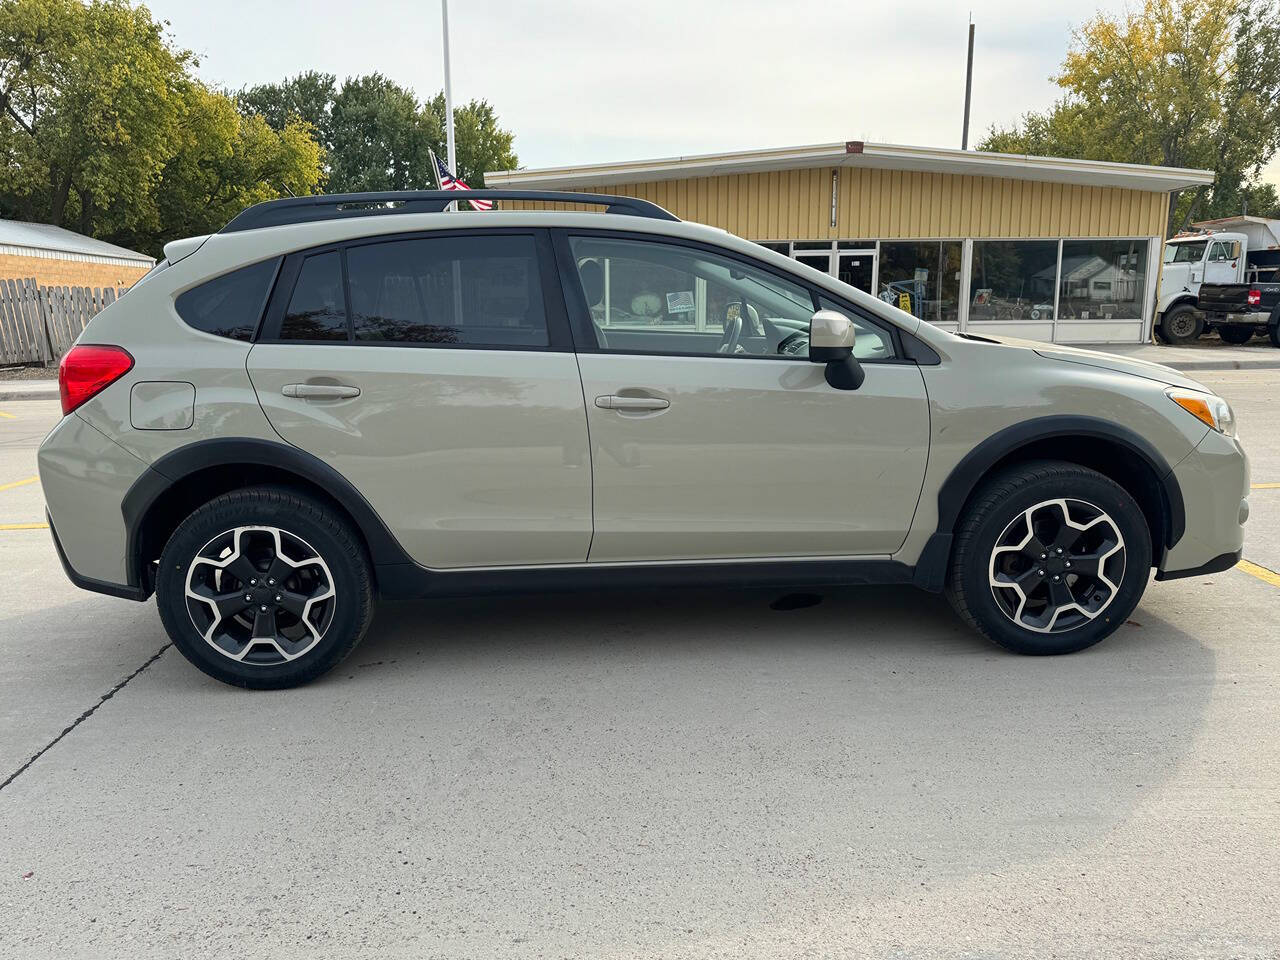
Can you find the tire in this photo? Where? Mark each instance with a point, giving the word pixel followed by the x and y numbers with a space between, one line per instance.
pixel 1236 332
pixel 1181 324
pixel 1023 618
pixel 1273 331
pixel 291 541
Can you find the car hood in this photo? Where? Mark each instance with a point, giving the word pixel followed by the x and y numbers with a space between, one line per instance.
pixel 1106 361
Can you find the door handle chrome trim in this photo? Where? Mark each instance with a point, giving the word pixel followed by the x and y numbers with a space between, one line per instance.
pixel 633 404
pixel 320 391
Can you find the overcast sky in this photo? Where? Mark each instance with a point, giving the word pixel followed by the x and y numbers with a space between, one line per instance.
pixel 583 81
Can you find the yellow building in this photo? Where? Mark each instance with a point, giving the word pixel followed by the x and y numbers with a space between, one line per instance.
pixel 1038 247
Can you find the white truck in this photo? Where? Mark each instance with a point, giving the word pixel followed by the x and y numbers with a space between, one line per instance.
pixel 1236 250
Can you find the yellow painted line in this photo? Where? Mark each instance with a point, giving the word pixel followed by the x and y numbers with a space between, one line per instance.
pixel 45 526
pixel 1262 573
pixel 1266 486
pixel 18 483
pixel 7 416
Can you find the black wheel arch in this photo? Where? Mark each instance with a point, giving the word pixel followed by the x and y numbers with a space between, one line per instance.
pixel 190 476
pixel 1110 448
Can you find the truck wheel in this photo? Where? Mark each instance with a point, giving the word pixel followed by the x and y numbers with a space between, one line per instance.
pixel 1236 332
pixel 1181 324
pixel 1274 332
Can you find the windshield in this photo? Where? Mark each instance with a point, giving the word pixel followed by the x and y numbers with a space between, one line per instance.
pixel 1188 251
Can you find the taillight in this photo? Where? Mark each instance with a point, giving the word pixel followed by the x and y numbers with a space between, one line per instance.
pixel 1255 298
pixel 88 369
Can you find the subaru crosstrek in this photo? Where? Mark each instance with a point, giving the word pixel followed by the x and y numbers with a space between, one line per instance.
pixel 339 398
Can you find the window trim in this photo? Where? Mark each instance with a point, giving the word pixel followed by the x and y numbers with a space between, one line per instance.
pixel 584 331
pixel 559 339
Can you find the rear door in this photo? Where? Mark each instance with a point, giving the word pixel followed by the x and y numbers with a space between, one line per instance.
pixel 435 372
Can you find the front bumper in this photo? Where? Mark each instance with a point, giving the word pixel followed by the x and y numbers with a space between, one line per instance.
pixel 1214 479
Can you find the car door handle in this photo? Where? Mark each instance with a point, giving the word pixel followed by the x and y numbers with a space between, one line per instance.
pixel 634 404
pixel 320 391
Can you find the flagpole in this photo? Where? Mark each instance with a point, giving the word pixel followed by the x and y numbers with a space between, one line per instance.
pixel 448 92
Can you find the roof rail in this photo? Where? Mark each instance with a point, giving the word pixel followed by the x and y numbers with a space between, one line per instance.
pixel 337 206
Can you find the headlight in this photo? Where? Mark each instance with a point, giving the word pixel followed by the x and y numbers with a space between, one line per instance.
pixel 1210 410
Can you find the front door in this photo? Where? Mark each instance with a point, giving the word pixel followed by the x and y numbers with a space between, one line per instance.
pixel 432 372
pixel 712 435
pixel 1222 263
pixel 857 268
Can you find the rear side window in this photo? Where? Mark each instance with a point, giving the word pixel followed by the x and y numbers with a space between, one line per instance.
pixel 317 310
pixel 229 305
pixel 464 291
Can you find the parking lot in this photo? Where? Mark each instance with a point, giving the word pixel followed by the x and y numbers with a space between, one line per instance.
pixel 690 774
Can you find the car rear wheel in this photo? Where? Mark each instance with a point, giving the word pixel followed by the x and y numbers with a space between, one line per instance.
pixel 1050 557
pixel 1236 332
pixel 264 588
pixel 1181 324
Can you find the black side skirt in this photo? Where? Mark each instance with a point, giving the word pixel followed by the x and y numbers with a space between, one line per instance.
pixel 405 581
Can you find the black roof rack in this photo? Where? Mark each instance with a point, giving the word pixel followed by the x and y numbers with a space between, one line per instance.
pixel 337 206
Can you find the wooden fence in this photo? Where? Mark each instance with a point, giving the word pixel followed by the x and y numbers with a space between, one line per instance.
pixel 39 324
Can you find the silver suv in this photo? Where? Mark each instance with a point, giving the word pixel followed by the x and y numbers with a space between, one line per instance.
pixel 340 397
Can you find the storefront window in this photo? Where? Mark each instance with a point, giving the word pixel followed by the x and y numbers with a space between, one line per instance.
pixel 1013 280
pixel 1103 279
pixel 922 278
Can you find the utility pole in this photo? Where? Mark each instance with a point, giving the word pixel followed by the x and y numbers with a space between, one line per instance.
pixel 968 84
pixel 448 92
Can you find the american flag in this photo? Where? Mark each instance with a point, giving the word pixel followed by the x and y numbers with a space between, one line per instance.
pixel 449 182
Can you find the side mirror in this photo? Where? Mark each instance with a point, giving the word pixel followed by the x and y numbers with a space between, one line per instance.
pixel 831 339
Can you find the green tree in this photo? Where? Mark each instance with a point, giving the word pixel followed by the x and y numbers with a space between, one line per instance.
pixel 92 98
pixel 223 162
pixel 308 97
pixel 480 142
pixel 381 138
pixel 377 136
pixel 104 129
pixel 1182 83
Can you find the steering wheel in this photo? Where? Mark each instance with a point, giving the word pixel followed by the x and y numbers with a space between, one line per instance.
pixel 732 328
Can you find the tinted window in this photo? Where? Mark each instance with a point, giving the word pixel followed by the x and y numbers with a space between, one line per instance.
pixel 317 310
pixel 229 305
pixel 477 291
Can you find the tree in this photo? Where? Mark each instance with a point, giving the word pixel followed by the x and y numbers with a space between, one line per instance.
pixel 1182 83
pixel 381 138
pixel 92 103
pixel 308 96
pixel 224 162
pixel 376 134
pixel 481 144
pixel 104 129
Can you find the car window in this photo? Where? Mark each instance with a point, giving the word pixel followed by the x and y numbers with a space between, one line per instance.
pixel 871 342
pixel 1219 252
pixel 229 305
pixel 317 310
pixel 478 291
pixel 656 297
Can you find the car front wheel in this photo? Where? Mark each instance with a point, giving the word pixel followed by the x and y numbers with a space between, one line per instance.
pixel 1049 558
pixel 264 588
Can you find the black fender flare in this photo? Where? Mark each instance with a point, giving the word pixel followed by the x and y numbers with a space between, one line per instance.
pixel 977 463
pixel 178 465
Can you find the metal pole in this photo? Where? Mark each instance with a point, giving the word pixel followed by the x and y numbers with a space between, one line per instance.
pixel 968 84
pixel 448 93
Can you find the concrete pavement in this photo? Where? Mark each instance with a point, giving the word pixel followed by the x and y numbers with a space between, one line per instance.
pixel 686 774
